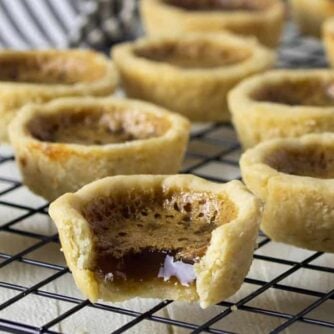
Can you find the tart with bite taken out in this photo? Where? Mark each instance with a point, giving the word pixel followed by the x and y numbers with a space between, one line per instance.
pixel 67 143
pixel 172 237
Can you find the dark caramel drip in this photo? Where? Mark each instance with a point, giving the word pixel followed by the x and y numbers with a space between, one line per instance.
pixel 140 266
pixel 223 5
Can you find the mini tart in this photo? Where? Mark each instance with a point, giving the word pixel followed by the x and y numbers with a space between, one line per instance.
pixel 40 76
pixel 295 179
pixel 328 38
pixel 116 233
pixel 189 74
pixel 67 143
pixel 260 18
pixel 283 103
pixel 310 14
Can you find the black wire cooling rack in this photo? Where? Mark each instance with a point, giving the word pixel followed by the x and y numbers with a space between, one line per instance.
pixel 28 269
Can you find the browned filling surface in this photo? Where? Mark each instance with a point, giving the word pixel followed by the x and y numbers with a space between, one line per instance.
pixel 294 93
pixel 313 161
pixel 223 5
pixel 194 53
pixel 49 69
pixel 134 232
pixel 97 127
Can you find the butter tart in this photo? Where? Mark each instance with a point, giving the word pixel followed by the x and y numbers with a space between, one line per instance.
pixel 260 18
pixel 310 15
pixel 295 179
pixel 283 103
pixel 40 76
pixel 64 144
pixel 328 38
pixel 189 74
pixel 173 237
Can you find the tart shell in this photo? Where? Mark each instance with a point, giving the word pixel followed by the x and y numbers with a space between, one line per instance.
pixel 310 15
pixel 161 18
pixel 298 209
pixel 220 271
pixel 200 94
pixel 96 76
pixel 51 169
pixel 328 38
pixel 256 121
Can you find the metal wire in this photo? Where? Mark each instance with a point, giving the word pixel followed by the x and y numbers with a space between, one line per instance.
pixel 213 144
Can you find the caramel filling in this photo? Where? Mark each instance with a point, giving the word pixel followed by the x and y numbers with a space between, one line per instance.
pixel 49 69
pixel 193 53
pixel 223 5
pixel 97 128
pixel 294 93
pixel 154 234
pixel 145 265
pixel 313 161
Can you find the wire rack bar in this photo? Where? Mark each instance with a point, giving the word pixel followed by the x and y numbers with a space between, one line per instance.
pixel 255 293
pixel 304 312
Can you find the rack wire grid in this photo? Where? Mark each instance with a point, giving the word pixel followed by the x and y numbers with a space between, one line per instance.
pixel 287 290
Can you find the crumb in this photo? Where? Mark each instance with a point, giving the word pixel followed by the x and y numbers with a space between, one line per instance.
pixel 234 308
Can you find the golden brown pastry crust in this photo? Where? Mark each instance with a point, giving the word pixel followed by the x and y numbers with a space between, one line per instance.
pixel 40 76
pixel 197 93
pixel 294 178
pixel 161 18
pixel 310 14
pixel 328 39
pixel 257 119
pixel 51 169
pixel 220 271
